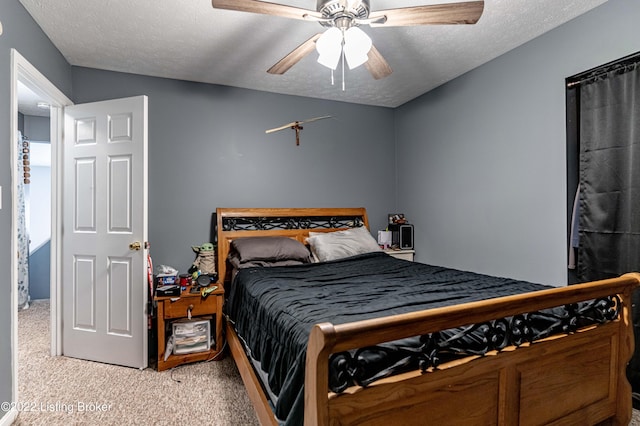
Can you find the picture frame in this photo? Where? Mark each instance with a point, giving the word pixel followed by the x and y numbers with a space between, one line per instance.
pixel 396 218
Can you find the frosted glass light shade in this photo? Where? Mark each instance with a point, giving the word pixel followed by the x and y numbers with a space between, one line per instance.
pixel 356 47
pixel 329 47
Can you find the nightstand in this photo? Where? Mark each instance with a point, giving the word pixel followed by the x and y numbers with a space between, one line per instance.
pixel 173 308
pixel 401 254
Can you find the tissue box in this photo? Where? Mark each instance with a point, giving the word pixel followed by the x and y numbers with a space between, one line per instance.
pixel 164 279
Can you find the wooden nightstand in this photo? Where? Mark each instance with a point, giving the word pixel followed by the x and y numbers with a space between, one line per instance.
pixel 168 311
pixel 401 254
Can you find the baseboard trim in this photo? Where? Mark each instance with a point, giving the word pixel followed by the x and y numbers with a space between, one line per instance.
pixel 9 417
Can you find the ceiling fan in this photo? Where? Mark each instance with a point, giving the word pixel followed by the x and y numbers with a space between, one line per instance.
pixel 296 125
pixel 343 39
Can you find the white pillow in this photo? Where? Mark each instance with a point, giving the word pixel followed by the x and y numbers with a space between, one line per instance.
pixel 336 245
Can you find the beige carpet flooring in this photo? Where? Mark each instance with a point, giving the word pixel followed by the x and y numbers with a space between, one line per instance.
pixel 67 391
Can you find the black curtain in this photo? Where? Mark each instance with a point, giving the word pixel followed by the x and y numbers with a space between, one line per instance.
pixel 609 181
pixel 609 222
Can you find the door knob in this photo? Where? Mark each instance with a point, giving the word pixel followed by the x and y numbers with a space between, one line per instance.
pixel 135 246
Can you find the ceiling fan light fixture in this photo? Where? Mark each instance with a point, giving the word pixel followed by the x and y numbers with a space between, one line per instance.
pixel 346 14
pixel 329 47
pixel 329 62
pixel 357 45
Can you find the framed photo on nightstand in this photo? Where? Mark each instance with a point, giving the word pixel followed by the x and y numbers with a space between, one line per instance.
pixel 397 218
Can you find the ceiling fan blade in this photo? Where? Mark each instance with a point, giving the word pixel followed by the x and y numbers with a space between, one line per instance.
pixel 265 8
pixel 310 120
pixel 297 123
pixel 377 65
pixel 437 14
pixel 294 56
pixel 286 126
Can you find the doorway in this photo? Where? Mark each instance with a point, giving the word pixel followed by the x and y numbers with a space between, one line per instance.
pixel 34 157
pixel 27 75
pixel 116 130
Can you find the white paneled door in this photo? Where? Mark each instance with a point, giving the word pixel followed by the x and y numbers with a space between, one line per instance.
pixel 104 276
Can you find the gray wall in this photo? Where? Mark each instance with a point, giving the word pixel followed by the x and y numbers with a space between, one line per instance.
pixel 21 33
pixel 208 149
pixel 37 128
pixel 40 272
pixel 483 173
pixel 39 222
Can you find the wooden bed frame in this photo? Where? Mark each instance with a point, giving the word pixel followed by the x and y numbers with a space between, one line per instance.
pixel 567 379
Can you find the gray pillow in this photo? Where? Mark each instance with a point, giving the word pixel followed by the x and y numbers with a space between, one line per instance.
pixel 235 262
pixel 337 245
pixel 269 249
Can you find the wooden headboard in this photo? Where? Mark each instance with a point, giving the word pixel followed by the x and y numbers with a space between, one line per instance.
pixel 288 222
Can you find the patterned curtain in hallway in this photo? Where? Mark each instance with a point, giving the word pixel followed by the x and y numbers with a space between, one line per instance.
pixel 23 238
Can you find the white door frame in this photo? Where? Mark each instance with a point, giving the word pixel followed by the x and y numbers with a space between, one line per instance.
pixel 22 70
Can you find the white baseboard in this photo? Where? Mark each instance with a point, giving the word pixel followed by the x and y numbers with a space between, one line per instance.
pixel 9 417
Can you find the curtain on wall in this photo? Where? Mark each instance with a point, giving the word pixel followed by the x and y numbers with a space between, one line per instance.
pixel 23 238
pixel 609 177
pixel 609 223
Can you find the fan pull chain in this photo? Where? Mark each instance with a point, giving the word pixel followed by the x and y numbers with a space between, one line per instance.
pixel 333 82
pixel 25 161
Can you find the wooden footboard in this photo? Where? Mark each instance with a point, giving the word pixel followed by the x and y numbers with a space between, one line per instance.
pixel 567 379
pixel 576 378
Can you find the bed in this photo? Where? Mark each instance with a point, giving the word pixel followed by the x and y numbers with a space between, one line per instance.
pixel 572 372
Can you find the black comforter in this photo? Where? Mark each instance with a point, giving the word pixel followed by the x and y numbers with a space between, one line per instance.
pixel 274 309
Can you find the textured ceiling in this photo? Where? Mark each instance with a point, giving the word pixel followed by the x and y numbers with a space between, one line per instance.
pixel 189 40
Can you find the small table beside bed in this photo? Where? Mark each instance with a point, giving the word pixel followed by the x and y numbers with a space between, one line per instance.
pixel 327 329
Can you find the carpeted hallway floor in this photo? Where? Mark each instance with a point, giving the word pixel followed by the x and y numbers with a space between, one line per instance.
pixel 67 391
